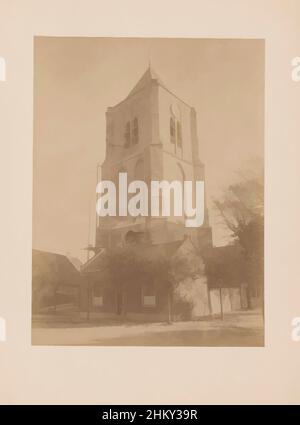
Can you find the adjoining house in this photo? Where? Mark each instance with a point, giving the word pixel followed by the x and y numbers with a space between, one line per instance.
pixel 55 281
pixel 217 286
pixel 229 290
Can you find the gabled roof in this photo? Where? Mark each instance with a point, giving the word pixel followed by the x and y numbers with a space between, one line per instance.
pixel 97 263
pixel 148 76
pixel 163 249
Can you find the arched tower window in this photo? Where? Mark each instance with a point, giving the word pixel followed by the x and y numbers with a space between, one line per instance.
pixel 135 133
pixel 139 170
pixel 127 135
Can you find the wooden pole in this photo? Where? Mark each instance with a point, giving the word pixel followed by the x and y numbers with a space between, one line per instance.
pixel 55 301
pixel 169 306
pixel 209 301
pixel 241 297
pixel 221 303
pixel 88 304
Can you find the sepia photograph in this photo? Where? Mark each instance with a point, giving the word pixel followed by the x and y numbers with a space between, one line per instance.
pixel 150 207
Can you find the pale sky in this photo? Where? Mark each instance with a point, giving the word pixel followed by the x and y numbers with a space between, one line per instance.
pixel 76 79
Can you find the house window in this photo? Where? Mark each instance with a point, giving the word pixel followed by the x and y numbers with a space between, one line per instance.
pixel 175 132
pixel 97 297
pixel 172 130
pixel 127 135
pixel 148 296
pixel 135 132
pixel 179 134
pixel 149 300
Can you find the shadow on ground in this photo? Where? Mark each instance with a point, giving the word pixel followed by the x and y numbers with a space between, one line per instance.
pixel 233 337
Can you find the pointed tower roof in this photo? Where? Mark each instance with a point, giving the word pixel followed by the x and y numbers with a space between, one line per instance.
pixel 146 78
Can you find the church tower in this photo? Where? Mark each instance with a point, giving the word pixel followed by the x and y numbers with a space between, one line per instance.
pixel 151 135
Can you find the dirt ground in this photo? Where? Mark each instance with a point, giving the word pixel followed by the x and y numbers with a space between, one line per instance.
pixel 238 329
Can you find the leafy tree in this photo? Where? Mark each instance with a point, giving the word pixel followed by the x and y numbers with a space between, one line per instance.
pixel 146 263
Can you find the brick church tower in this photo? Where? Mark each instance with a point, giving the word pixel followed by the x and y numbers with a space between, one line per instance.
pixel 151 135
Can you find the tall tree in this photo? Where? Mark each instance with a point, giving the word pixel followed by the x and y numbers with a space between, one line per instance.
pixel 136 263
pixel 242 211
